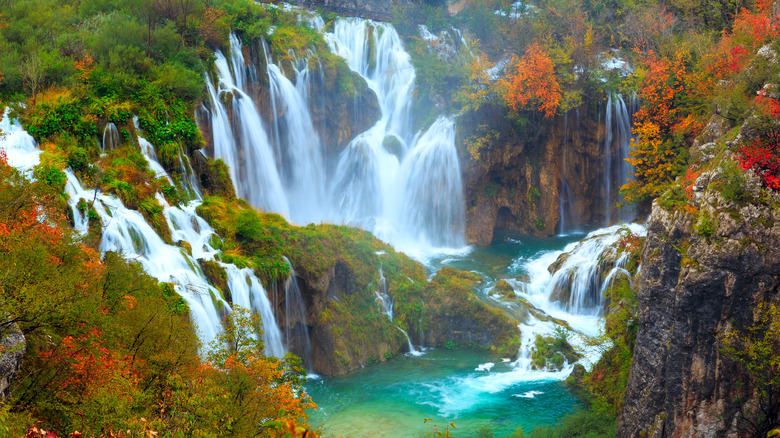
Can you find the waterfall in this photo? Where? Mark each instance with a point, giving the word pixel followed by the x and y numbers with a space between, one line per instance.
pixel 303 167
pixel 582 276
pixel 402 185
pixel 386 305
pixel 608 162
pixel 617 145
pixel 573 292
pixel 295 315
pixel 240 138
pixel 427 212
pixel 126 232
pixel 565 197
pixel 384 300
pixel 111 138
pixel 20 147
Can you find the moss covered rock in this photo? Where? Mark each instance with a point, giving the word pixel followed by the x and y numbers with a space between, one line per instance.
pixel 337 271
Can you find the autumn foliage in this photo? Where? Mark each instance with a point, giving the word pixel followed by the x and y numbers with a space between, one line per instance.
pixel 533 82
pixel 665 125
pixel 110 351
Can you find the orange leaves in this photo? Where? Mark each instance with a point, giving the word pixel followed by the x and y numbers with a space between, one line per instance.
pixel 665 124
pixel 533 83
pixel 750 31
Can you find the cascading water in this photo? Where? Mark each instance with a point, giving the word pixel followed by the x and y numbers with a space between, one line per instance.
pixel 297 143
pixel 410 195
pixel 20 147
pixel 386 304
pixel 111 138
pixel 428 211
pixel 295 316
pixel 617 144
pixel 126 232
pixel 240 138
pixel 565 197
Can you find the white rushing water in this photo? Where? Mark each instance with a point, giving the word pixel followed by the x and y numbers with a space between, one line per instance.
pixel 617 145
pixel 126 232
pixel 411 196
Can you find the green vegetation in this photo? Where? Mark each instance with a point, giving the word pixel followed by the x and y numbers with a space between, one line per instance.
pixel 550 352
pixel 261 240
pixel 109 348
pixel 754 350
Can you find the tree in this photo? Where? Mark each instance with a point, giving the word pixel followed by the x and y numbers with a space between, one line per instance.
pixel 239 389
pixel 33 73
pixel 666 123
pixel 755 351
pixel 533 82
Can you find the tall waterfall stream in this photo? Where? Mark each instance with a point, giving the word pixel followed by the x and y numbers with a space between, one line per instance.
pixel 412 199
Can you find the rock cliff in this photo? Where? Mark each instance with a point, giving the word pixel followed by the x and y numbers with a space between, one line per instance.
pixel 516 183
pixel 707 265
pixel 12 349
pixel 375 9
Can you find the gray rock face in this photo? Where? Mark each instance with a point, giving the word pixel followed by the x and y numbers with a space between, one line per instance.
pixel 376 9
pixel 12 349
pixel 691 288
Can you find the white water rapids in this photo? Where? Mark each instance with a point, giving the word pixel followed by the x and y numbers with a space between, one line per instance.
pixel 412 198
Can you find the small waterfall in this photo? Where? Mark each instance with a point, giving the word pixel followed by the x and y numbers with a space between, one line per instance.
pixel 384 300
pixel 582 276
pixel 386 304
pixel 608 162
pixel 295 315
pixel 572 293
pixel 111 137
pixel 565 197
pixel 302 160
pixel 20 147
pixel 617 145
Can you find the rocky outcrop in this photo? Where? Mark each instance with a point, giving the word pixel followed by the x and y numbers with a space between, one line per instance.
pixel 12 349
pixel 375 9
pixel 342 105
pixel 698 281
pixel 347 328
pixel 516 183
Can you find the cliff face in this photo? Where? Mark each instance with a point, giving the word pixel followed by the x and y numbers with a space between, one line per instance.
pixel 347 328
pixel 703 273
pixel 516 184
pixel 374 9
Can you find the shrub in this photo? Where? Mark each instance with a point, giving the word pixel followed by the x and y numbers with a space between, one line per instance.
pixel 763 156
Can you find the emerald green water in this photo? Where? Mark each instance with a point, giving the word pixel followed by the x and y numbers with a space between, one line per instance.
pixel 393 399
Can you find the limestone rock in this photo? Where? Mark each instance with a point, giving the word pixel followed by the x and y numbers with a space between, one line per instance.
pixel 689 289
pixel 12 349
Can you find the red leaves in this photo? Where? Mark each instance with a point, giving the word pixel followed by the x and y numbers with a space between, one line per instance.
pixel 763 156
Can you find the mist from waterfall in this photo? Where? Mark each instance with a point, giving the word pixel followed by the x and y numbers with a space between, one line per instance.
pixel 410 196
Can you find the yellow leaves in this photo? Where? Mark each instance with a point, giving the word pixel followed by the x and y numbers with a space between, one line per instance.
pixel 478 89
pixel 533 83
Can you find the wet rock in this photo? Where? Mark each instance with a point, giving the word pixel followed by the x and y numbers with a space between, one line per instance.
pixel 691 288
pixel 12 349
pixel 576 376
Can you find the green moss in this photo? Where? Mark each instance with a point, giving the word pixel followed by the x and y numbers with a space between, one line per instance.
pixel 551 352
